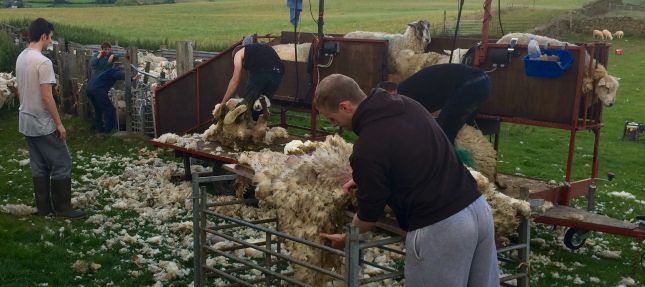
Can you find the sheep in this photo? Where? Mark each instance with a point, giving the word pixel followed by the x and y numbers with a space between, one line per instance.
pixel 606 86
pixel 619 34
pixel 305 191
pixel 482 152
pixel 235 129
pixel 607 34
pixel 598 34
pixel 407 62
pixel 415 38
pixel 8 89
pixel 286 51
pixel 507 211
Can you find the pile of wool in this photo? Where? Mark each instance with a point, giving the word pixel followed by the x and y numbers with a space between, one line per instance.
pixel 307 195
pixel 17 209
pixel 82 266
pixel 481 150
pixel 7 89
pixel 187 141
pixel 507 211
pixel 158 65
pixel 234 127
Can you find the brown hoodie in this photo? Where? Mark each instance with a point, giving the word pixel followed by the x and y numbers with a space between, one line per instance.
pixel 403 159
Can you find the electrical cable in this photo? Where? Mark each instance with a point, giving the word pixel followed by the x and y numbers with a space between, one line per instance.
pixel 499 16
pixel 454 38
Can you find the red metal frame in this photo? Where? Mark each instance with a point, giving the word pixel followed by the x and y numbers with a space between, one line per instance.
pixel 562 195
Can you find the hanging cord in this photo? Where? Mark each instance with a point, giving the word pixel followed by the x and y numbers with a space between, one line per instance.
pixel 499 16
pixel 312 13
pixel 454 38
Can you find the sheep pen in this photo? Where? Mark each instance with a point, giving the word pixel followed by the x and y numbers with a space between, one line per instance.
pixel 605 86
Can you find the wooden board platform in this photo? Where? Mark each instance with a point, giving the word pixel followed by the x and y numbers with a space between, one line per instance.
pixel 582 219
pixel 216 152
pixel 514 184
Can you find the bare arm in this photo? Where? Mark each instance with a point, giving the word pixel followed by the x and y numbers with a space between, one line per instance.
pixel 363 226
pixel 50 106
pixel 235 79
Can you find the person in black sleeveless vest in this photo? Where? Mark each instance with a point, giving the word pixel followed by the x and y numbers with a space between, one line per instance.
pixel 457 90
pixel 264 67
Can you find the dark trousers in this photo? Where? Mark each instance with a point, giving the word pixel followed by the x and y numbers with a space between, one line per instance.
pixel 105 113
pixel 463 105
pixel 49 157
pixel 258 84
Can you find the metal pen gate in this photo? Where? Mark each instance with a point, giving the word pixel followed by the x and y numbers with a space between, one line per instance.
pixel 206 220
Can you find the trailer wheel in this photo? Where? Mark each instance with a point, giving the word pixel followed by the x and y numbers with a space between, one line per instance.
pixel 575 238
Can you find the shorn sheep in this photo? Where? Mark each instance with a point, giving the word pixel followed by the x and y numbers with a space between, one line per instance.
pixel 607 35
pixel 597 34
pixel 606 85
pixel 234 127
pixel 415 38
pixel 619 34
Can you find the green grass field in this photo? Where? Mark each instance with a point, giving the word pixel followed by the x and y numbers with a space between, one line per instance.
pixel 214 25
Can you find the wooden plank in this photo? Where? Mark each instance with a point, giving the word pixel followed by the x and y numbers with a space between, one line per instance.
pixel 579 218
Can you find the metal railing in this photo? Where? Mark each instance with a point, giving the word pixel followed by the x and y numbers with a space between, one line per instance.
pixel 272 264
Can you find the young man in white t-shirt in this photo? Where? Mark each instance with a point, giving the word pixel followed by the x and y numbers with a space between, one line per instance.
pixel 39 122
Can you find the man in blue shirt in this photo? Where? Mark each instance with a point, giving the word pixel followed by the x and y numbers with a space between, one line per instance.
pixel 97 92
pixel 103 60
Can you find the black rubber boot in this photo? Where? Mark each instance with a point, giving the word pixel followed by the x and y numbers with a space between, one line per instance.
pixel 42 196
pixel 61 198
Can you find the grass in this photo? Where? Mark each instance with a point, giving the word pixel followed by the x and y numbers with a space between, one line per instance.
pixel 214 25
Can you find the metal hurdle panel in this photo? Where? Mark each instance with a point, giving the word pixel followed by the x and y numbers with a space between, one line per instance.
pixel 272 247
pixel 206 220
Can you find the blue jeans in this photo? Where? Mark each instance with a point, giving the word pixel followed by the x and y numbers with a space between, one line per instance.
pixel 105 113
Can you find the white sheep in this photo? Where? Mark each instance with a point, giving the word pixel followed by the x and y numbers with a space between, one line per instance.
pixel 619 34
pixel 607 34
pixel 406 63
pixel 482 152
pixel 606 86
pixel 286 51
pixel 597 34
pixel 415 38
pixel 7 89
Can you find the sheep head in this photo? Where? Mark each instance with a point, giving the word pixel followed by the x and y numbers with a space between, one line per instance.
pixel 421 30
pixel 606 90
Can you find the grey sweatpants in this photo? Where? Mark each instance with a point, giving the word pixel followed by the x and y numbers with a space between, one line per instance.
pixel 457 251
pixel 49 157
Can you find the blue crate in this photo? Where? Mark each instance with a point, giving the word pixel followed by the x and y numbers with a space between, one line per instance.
pixel 548 69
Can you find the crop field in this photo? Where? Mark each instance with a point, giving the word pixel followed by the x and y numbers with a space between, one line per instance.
pixel 214 25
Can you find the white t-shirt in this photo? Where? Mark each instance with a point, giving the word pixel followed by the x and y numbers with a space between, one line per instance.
pixel 32 70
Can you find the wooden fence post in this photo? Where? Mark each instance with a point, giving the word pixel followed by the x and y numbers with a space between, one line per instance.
pixel 444 22
pixel 132 55
pixel 184 57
